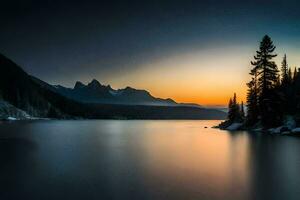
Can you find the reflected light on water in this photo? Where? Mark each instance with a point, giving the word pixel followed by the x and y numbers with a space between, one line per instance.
pixel 144 159
pixel 193 155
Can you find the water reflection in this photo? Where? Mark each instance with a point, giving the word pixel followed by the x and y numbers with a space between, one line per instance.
pixel 16 162
pixel 274 165
pixel 196 161
pixel 144 160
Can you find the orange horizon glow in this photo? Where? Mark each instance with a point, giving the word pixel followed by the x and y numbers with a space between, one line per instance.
pixel 184 78
pixel 207 77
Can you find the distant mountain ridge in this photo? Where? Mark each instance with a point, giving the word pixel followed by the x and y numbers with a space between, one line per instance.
pixel 95 92
pixel 23 92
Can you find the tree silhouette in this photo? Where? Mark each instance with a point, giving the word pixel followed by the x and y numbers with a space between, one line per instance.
pixel 234 110
pixel 230 115
pixel 252 98
pixel 271 95
pixel 290 77
pixel 242 112
pixel 284 71
pixel 252 102
pixel 267 81
pixel 295 74
pixel 265 66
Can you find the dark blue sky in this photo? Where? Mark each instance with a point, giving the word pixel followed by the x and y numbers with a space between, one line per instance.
pixel 64 41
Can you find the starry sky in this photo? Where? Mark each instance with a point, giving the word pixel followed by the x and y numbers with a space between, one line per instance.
pixel 191 51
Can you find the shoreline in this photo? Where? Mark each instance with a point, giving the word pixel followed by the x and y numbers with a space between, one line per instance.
pixel 285 129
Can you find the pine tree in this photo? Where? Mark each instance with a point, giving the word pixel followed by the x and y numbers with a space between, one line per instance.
pixel 252 103
pixel 290 77
pixel 252 99
pixel 267 81
pixel 265 67
pixel 295 75
pixel 234 101
pixel 234 110
pixel 242 111
pixel 230 115
pixel 284 71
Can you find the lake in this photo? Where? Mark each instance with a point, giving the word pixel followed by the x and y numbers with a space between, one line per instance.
pixel 154 159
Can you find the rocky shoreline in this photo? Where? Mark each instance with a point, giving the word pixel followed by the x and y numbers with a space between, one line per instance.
pixel 289 127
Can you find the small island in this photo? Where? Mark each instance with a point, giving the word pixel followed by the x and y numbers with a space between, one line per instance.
pixel 272 99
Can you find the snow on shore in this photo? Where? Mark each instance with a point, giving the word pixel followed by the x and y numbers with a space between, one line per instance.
pixel 288 127
pixel 234 126
pixel 296 130
pixel 11 113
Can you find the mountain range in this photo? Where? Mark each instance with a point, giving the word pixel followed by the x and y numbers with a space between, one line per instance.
pixel 95 92
pixel 37 98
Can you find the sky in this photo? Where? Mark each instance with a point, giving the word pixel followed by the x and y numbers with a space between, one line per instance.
pixel 190 51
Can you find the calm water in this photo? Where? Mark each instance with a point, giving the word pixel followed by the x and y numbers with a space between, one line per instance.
pixel 144 160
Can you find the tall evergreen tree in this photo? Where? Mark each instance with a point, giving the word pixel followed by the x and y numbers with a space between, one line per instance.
pixel 242 112
pixel 284 71
pixel 267 72
pixel 290 76
pixel 252 98
pixel 265 66
pixel 272 95
pixel 295 74
pixel 252 103
pixel 230 115
pixel 234 101
pixel 234 111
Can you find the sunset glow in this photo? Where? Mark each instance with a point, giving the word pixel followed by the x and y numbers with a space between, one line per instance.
pixel 173 50
pixel 207 77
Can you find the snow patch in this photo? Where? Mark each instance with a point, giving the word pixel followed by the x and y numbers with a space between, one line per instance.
pixel 289 122
pixel 280 130
pixel 234 126
pixel 257 129
pixel 275 130
pixel 296 130
pixel 10 112
pixel 11 118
